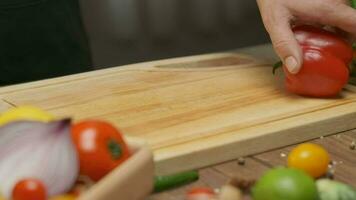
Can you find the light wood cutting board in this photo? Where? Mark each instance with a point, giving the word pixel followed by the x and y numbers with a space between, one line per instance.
pixel 193 111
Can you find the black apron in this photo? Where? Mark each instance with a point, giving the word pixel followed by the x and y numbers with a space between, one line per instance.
pixel 41 39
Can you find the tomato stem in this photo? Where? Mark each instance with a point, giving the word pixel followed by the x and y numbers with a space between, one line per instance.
pixel 115 149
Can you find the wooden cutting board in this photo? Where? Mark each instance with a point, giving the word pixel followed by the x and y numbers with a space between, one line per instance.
pixel 193 111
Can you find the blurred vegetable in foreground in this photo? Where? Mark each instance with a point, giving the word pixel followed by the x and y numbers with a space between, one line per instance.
pixel 29 189
pixel 100 146
pixel 170 181
pixel 64 197
pixel 285 184
pixel 200 193
pixel 38 150
pixel 30 113
pixel 230 192
pixel 332 190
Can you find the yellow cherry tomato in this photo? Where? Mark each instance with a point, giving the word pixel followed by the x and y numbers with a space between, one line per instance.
pixel 2 197
pixel 24 113
pixel 64 197
pixel 311 158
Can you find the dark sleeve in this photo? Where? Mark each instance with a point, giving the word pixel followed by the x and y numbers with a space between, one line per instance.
pixel 41 39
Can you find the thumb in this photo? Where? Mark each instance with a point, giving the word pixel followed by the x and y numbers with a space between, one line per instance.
pixel 285 45
pixel 288 49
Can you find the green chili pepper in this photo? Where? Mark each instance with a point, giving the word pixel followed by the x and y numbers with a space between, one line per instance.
pixel 171 181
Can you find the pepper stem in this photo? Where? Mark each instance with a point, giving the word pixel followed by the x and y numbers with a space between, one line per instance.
pixel 276 66
pixel 353 3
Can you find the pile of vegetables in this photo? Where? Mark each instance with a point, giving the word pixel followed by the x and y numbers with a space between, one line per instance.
pixel 44 158
pixel 302 179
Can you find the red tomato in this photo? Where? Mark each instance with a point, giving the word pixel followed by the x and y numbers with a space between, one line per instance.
pixel 325 63
pixel 100 146
pixel 201 190
pixel 200 193
pixel 29 189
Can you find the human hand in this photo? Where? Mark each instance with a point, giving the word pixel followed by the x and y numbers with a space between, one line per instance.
pixel 279 15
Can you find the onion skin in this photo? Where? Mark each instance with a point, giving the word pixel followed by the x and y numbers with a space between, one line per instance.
pixel 30 149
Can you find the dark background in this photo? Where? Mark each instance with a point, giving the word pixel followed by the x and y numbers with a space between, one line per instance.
pixel 129 31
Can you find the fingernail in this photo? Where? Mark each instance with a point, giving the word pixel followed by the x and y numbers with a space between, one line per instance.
pixel 291 64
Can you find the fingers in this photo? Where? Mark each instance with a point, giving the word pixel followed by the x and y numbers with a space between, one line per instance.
pixel 277 23
pixel 277 15
pixel 341 16
pixel 286 46
pixel 327 12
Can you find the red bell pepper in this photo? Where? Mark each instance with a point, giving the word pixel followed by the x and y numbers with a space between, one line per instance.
pixel 326 57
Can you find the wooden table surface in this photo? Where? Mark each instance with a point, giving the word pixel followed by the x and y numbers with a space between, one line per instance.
pixel 338 145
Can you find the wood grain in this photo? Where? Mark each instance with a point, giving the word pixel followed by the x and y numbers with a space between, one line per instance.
pixel 197 110
pixel 5 105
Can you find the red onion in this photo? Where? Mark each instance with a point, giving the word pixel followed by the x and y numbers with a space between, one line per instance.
pixel 30 149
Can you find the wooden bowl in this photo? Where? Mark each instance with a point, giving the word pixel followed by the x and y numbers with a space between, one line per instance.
pixel 133 180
